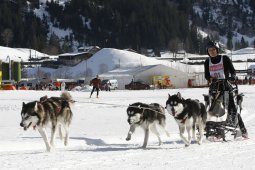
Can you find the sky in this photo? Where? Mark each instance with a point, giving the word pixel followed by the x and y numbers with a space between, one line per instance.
pixel 99 128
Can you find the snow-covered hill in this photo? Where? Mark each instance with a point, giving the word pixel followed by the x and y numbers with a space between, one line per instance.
pixel 103 61
pixel 108 59
pixel 20 54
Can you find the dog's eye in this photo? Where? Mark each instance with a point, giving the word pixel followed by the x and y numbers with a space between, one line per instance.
pixel 129 113
pixel 173 103
pixel 34 114
pixel 26 117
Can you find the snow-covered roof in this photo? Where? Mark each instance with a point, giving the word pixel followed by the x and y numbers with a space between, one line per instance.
pixel 72 54
pixel 134 71
pixel 128 71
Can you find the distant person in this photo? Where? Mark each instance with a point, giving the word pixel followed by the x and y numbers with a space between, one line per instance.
pixel 96 84
pixel 108 86
pixel 245 80
pixel 57 85
pixel 250 80
pixel 63 86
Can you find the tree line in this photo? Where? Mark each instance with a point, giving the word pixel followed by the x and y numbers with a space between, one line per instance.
pixel 137 24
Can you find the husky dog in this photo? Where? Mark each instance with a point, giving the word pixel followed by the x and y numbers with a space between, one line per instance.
pixel 188 114
pixel 240 101
pixel 146 116
pixel 54 111
pixel 207 100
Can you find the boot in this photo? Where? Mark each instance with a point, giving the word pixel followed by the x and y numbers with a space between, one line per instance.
pixel 232 119
pixel 244 133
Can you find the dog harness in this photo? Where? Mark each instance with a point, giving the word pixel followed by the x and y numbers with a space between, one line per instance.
pixel 183 120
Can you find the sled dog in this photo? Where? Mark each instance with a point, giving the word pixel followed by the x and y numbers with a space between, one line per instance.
pixel 188 114
pixel 54 111
pixel 207 100
pixel 240 101
pixel 147 116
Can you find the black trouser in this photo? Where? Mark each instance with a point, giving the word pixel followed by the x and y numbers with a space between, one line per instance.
pixel 241 124
pixel 97 89
pixel 233 111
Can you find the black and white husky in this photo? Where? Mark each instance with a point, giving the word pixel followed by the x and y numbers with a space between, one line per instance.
pixel 188 114
pixel 147 116
pixel 54 111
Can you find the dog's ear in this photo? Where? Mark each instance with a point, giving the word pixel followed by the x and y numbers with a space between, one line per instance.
pixel 179 95
pixel 42 99
pixel 36 107
pixel 23 104
pixel 169 95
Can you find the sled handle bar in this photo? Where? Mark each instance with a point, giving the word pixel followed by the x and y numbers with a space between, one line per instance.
pixel 228 81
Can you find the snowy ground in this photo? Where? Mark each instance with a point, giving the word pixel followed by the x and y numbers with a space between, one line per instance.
pixel 99 129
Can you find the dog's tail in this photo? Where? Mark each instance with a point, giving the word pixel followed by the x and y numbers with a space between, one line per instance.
pixel 67 96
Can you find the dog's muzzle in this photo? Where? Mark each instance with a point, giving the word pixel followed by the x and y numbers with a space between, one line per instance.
pixel 130 121
pixel 173 112
pixel 25 127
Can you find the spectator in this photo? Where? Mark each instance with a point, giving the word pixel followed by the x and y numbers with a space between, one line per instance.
pixel 63 86
pixel 96 84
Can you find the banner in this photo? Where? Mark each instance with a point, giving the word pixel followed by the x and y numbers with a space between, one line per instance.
pixel 162 82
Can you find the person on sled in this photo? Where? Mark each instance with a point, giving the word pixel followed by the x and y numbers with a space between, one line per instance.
pixel 218 67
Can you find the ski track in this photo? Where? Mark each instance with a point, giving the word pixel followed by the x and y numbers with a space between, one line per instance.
pixel 98 131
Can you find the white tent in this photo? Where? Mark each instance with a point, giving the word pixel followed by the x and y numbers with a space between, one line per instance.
pixel 145 73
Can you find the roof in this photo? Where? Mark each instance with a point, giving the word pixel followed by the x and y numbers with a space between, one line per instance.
pixel 132 71
pixel 128 71
pixel 72 54
pixel 87 48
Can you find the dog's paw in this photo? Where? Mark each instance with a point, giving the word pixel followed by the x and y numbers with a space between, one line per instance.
pixel 144 146
pixel 128 138
pixel 66 143
pixel 199 142
pixel 49 149
pixel 187 145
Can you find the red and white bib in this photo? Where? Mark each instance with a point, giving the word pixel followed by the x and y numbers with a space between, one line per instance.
pixel 217 70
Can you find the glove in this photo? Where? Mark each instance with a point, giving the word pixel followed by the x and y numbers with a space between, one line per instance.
pixel 212 79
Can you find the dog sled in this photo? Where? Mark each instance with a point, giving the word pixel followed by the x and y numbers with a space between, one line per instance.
pixel 224 106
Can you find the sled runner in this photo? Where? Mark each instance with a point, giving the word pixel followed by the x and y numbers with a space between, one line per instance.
pixel 224 107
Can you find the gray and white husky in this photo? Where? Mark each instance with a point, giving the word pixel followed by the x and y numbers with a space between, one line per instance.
pixel 147 116
pixel 54 111
pixel 189 114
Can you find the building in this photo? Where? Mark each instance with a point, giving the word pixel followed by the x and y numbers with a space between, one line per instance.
pixel 90 49
pixel 124 76
pixel 72 59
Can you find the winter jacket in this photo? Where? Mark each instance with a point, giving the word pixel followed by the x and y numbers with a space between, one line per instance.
pixel 95 82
